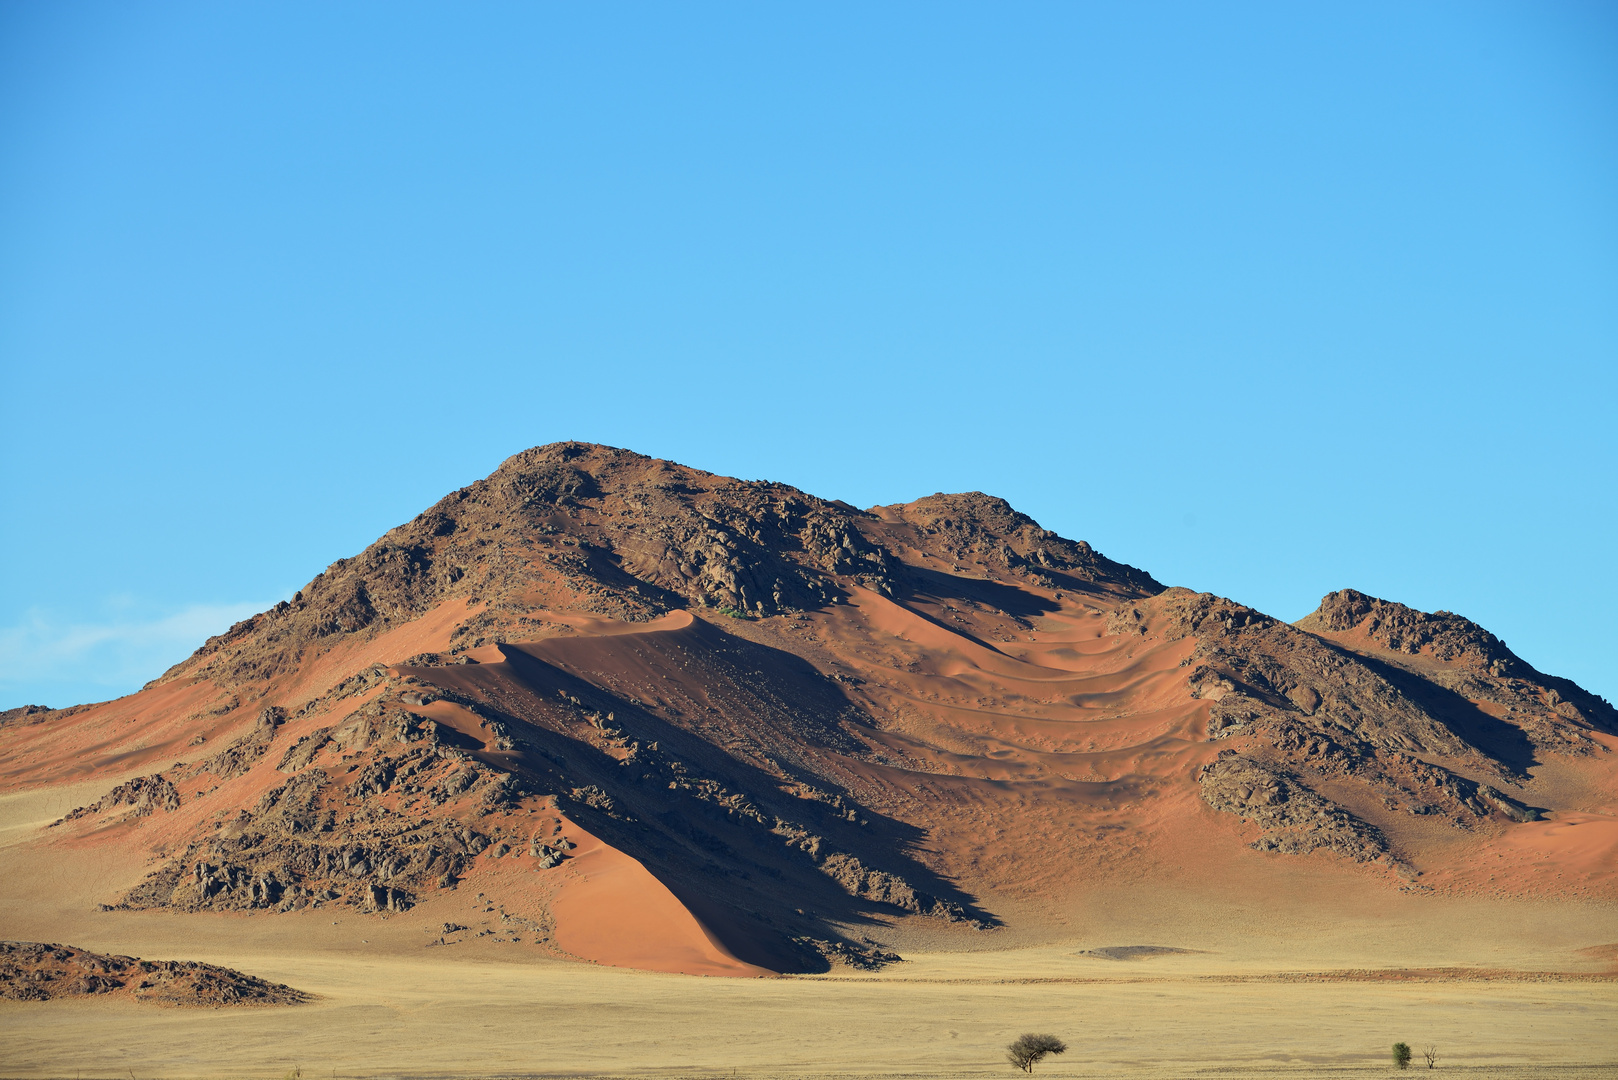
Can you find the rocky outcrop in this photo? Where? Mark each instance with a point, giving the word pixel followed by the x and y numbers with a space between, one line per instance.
pixel 242 754
pixel 1316 710
pixel 24 714
pixel 1442 635
pixel 1460 656
pixel 30 971
pixel 141 796
pixel 1296 820
pixel 860 956
pixel 985 530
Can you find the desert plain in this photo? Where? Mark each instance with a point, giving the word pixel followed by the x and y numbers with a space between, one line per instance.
pixel 1495 984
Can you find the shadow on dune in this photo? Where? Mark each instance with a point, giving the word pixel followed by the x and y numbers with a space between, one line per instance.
pixel 1010 599
pixel 725 794
pixel 1505 742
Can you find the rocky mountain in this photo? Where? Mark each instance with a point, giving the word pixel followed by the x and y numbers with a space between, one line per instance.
pixel 632 703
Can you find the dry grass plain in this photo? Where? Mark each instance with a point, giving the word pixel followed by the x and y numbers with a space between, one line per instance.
pixel 939 1017
pixel 388 1007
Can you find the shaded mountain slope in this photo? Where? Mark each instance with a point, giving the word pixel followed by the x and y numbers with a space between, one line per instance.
pixel 695 723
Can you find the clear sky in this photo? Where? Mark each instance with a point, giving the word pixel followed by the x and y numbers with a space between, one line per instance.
pixel 1268 299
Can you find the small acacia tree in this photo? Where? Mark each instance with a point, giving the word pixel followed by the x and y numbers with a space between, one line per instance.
pixel 1029 1049
pixel 1401 1055
pixel 1431 1054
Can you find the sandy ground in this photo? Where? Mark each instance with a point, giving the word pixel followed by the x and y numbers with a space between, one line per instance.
pixel 388 1006
pixel 393 1016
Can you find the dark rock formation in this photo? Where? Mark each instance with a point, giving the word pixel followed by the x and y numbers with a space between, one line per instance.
pixel 30 971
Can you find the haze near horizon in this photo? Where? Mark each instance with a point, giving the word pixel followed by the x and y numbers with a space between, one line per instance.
pixel 1266 301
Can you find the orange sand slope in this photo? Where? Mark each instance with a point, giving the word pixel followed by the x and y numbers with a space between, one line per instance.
pixel 615 912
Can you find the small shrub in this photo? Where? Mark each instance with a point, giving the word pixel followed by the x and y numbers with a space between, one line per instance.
pixel 1401 1055
pixel 1029 1049
pixel 1431 1054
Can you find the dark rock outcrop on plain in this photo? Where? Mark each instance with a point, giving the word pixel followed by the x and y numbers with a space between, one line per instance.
pixel 31 971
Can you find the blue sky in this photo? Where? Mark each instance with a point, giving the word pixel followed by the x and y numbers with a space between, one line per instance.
pixel 1268 299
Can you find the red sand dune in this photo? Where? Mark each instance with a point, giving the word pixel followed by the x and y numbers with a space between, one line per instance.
pixel 614 911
